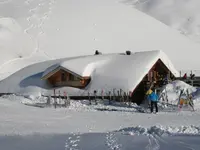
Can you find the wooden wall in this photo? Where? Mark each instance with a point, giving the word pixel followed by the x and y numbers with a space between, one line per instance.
pixel 56 80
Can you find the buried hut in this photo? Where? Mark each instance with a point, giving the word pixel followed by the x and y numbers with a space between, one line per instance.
pixel 129 72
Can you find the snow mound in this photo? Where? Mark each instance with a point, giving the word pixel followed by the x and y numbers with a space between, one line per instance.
pixel 162 131
pixel 173 89
pixel 180 85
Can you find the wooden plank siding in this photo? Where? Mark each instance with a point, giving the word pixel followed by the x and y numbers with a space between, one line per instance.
pixel 62 78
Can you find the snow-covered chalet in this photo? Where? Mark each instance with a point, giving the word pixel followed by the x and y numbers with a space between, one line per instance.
pixel 105 72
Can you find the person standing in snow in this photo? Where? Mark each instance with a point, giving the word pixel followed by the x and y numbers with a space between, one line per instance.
pixel 147 97
pixel 185 76
pixel 153 97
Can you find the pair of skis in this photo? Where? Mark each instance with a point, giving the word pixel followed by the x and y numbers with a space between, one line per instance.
pixel 164 97
pixel 189 99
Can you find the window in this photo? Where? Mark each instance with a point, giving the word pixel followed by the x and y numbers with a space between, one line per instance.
pixel 76 78
pixel 63 76
pixel 73 78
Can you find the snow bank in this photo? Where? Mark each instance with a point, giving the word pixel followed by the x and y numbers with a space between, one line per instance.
pixel 76 105
pixel 180 85
pixel 162 131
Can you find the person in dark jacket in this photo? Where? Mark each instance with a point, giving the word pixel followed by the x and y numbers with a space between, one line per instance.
pixel 185 76
pixel 153 97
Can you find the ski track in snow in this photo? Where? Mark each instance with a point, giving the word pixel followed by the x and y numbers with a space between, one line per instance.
pixel 153 143
pixel 185 145
pixel 40 21
pixel 111 141
pixel 72 142
pixel 35 21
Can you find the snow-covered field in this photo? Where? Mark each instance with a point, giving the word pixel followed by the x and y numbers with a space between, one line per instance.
pixel 19 119
pixel 101 126
pixel 85 127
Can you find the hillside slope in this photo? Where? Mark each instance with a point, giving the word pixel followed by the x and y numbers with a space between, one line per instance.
pixel 64 28
pixel 182 15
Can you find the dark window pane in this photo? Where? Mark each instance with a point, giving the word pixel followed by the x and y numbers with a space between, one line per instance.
pixel 63 76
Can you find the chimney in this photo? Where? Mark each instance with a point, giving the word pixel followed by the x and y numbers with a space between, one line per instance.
pixel 128 52
pixel 97 52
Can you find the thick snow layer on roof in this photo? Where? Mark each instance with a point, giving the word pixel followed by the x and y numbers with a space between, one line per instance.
pixel 126 72
pixel 50 69
pixel 108 72
pixel 84 66
pixel 115 70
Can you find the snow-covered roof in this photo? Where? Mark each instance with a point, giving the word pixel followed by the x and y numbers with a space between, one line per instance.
pixel 51 70
pixel 115 70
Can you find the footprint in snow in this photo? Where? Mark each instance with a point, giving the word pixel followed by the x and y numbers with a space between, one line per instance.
pixel 72 142
pixel 111 141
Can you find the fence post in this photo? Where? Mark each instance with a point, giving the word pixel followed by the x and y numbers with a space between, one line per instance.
pixel 95 97
pixel 49 100
pixel 55 101
pixel 114 96
pixel 65 99
pixel 89 98
pixel 109 97
pixel 121 95
pixel 59 99
pixel 102 94
pixel 68 99
pixel 130 93
pixel 118 95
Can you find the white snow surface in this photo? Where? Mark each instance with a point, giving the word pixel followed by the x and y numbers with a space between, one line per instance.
pixel 116 125
pixel 19 119
pixel 58 28
pixel 182 15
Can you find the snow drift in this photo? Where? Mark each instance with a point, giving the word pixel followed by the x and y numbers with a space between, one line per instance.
pixel 163 131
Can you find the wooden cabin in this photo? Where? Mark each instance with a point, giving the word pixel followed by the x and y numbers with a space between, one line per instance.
pixel 60 77
pixel 130 73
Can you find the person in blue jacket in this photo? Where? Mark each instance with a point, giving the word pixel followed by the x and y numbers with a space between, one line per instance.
pixel 153 98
